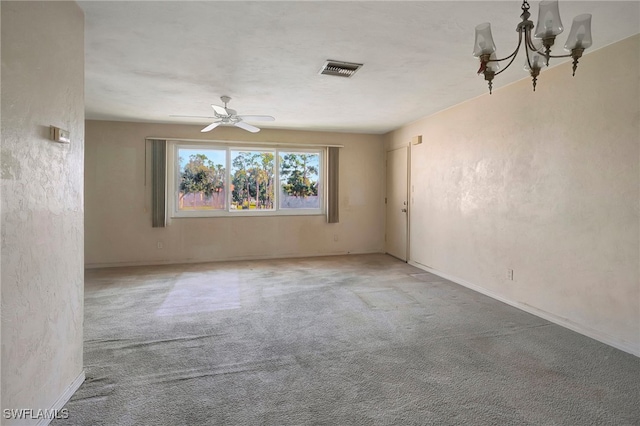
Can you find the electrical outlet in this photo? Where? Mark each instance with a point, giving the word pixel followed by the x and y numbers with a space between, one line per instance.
pixel 160 245
pixel 510 274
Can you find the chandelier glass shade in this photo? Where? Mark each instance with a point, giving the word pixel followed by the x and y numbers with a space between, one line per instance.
pixel 537 44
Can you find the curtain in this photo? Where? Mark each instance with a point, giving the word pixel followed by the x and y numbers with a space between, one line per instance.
pixel 333 211
pixel 158 183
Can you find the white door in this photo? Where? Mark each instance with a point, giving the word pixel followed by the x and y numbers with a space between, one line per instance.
pixel 397 206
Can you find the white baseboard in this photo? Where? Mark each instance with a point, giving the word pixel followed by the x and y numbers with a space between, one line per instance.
pixel 64 398
pixel 229 259
pixel 564 322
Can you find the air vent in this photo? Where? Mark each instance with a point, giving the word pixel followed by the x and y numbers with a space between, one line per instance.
pixel 340 69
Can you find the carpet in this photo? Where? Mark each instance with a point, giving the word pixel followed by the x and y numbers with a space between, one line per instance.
pixel 343 340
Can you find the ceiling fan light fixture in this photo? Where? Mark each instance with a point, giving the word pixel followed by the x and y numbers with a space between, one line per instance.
pixel 339 68
pixel 227 116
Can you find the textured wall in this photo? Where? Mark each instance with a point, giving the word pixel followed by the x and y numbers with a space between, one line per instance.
pixel 544 183
pixel 118 218
pixel 42 202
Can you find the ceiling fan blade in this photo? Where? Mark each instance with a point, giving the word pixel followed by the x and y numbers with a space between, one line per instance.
pixel 247 127
pixel 219 110
pixel 211 126
pixel 192 116
pixel 257 117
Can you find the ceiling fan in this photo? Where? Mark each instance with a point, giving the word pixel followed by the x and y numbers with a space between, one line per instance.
pixel 224 115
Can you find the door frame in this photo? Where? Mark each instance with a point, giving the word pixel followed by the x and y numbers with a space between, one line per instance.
pixel 407 197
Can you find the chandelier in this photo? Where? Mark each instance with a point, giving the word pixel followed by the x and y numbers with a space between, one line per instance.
pixel 537 47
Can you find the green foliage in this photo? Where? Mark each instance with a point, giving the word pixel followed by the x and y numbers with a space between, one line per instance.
pixel 253 180
pixel 201 175
pixel 297 170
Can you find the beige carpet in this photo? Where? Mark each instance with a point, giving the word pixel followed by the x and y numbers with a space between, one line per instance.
pixel 347 340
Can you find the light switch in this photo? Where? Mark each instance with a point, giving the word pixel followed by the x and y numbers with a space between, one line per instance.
pixel 60 135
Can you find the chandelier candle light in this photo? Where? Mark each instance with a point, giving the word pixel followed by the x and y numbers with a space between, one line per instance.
pixel 537 47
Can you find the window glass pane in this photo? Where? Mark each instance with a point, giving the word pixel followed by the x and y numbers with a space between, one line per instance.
pixel 252 180
pixel 299 180
pixel 201 181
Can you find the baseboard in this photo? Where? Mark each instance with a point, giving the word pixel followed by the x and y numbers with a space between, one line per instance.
pixel 229 259
pixel 564 322
pixel 64 398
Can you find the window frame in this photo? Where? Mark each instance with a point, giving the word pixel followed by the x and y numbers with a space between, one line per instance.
pixel 173 179
pixel 322 178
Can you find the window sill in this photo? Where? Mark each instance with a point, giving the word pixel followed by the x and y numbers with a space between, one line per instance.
pixel 249 213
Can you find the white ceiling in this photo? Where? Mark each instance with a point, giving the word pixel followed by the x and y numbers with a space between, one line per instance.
pixel 148 60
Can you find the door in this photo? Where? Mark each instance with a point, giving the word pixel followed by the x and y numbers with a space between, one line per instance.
pixel 396 203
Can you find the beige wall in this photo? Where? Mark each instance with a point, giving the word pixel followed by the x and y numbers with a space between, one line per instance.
pixel 544 183
pixel 118 218
pixel 42 204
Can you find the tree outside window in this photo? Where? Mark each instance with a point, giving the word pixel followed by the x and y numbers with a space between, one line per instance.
pixel 299 180
pixel 218 180
pixel 202 180
pixel 252 180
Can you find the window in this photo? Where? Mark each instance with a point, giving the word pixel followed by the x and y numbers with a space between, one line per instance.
pixel 202 177
pixel 221 180
pixel 252 180
pixel 299 180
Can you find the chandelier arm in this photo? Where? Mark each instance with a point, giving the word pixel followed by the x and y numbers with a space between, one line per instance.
pixel 546 55
pixel 529 42
pixel 531 46
pixel 512 56
pixel 561 56
pixel 508 65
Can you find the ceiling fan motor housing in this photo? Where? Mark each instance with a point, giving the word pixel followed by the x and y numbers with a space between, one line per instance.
pixel 226 115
